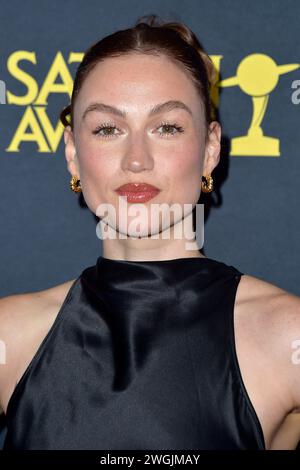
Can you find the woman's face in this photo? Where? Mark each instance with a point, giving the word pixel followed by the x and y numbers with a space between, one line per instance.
pixel 140 146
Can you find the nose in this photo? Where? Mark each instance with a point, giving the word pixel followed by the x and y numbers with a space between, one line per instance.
pixel 137 156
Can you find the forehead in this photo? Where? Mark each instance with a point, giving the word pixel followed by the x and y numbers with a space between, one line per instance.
pixel 136 81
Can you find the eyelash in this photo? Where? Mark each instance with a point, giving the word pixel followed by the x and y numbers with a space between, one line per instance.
pixel 179 129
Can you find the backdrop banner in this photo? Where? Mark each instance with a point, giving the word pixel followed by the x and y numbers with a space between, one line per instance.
pixel 48 236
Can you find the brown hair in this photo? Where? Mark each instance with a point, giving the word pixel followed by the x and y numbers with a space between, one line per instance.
pixel 153 36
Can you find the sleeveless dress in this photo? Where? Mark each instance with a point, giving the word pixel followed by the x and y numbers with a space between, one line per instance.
pixel 140 356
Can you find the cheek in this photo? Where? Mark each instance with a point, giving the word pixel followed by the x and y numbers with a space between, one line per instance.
pixel 96 161
pixel 185 174
pixel 96 170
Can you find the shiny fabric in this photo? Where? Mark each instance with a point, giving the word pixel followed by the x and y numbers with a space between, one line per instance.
pixel 140 356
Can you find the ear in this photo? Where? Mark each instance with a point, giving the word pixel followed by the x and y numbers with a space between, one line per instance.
pixel 70 152
pixel 212 148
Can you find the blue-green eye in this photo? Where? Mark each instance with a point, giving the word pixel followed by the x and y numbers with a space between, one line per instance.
pixel 104 128
pixel 169 126
pixel 109 129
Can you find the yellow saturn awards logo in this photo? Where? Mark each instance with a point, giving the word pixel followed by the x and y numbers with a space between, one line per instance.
pixel 257 75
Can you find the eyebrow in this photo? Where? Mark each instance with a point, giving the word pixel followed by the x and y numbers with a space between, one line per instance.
pixel 158 108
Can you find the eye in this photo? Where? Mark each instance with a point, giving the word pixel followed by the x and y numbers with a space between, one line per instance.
pixel 108 130
pixel 168 126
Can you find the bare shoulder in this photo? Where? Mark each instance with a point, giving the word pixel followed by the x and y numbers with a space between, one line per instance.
pixel 267 324
pixel 271 313
pixel 18 311
pixel 268 304
pixel 253 288
pixel 25 320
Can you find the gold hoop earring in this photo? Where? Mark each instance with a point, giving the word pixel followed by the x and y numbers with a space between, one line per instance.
pixel 208 184
pixel 74 184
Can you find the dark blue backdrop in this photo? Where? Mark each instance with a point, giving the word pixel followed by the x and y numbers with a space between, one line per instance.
pixel 46 237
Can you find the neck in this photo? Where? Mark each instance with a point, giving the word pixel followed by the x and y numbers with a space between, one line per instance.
pixel 161 246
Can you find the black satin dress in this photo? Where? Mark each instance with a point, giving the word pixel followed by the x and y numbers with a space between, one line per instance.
pixel 141 356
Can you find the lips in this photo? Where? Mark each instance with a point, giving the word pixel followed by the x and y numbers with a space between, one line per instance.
pixel 138 192
pixel 137 187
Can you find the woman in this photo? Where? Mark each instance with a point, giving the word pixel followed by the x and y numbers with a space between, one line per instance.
pixel 156 346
